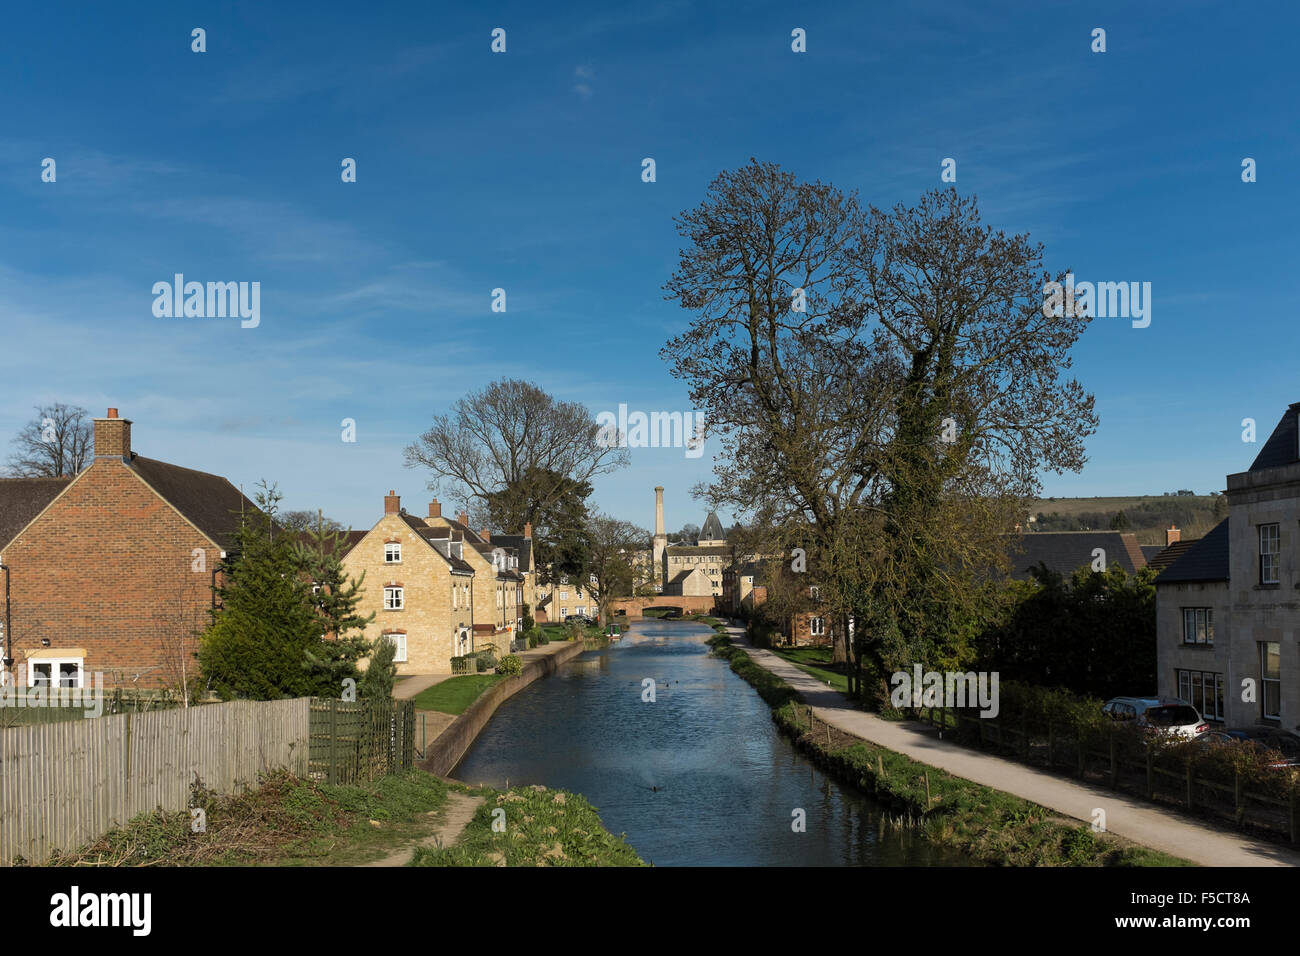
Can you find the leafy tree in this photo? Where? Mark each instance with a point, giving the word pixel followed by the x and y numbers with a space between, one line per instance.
pixel 559 541
pixel 307 521
pixel 1119 522
pixel 58 442
pixel 886 384
pixel 613 566
pixel 381 672
pixel 267 639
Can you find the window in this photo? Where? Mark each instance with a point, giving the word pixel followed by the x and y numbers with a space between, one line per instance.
pixel 818 626
pixel 55 672
pixel 393 553
pixel 815 592
pixel 1269 546
pixel 1204 691
pixel 1270 672
pixel 399 641
pixel 564 595
pixel 393 599
pixel 1198 625
pixel 563 612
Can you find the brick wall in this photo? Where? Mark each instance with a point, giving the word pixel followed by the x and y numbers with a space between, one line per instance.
pixel 109 568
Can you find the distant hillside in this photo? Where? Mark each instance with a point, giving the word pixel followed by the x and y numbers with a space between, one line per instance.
pixel 1147 516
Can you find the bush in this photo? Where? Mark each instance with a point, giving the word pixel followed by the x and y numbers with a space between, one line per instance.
pixel 510 665
pixel 533 640
pixel 486 661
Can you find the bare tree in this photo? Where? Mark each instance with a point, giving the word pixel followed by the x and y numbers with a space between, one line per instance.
pixel 614 565
pixel 57 443
pixel 515 448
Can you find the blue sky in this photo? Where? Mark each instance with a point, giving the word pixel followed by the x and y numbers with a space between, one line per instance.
pixel 522 171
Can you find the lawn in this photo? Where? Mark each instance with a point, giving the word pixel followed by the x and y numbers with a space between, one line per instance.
pixel 817 662
pixel 453 695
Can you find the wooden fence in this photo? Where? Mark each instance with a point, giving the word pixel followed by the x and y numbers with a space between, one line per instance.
pixel 67 783
pixel 353 741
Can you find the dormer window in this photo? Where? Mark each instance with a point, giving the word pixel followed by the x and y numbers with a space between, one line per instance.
pixel 393 553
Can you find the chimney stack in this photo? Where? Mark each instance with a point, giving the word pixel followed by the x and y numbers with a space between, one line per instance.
pixel 659 511
pixel 1172 535
pixel 528 529
pixel 113 436
pixel 392 503
pixel 484 535
pixel 463 518
pixel 435 509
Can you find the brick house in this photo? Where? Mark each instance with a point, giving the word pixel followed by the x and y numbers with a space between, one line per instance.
pixel 112 571
pixel 1227 612
pixel 420 587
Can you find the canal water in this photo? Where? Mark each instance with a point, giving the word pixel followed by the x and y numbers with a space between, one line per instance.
pixel 699 776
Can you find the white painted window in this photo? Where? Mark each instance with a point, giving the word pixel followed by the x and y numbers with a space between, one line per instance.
pixel 393 553
pixel 394 599
pixel 1198 626
pixel 1269 546
pixel 399 641
pixel 56 672
pixel 818 626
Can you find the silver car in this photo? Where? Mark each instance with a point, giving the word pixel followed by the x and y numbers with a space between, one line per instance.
pixel 1165 715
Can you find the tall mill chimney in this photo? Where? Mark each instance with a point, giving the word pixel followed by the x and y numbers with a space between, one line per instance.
pixel 659 510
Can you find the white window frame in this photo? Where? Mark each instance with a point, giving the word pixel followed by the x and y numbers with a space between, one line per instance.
pixel 399 641
pixel 392 552
pixel 1270 537
pixel 394 599
pixel 1201 629
pixel 817 626
pixel 56 667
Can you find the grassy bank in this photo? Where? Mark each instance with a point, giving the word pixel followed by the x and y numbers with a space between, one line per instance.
pixel 453 695
pixel 994 828
pixel 291 822
pixel 538 827
pixel 815 661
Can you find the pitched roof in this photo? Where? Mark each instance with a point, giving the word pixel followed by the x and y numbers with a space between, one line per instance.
pixel 712 530
pixel 1167 556
pixel 22 499
pixel 521 544
pixel 1281 447
pixel 1205 560
pixel 698 549
pixel 1065 551
pixel 428 534
pixel 209 502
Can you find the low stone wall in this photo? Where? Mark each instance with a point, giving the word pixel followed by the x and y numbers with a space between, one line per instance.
pixel 687 604
pixel 445 752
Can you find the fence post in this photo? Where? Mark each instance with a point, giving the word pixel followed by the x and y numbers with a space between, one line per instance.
pixel 927 790
pixel 1189 784
pixel 331 774
pixel 1114 765
pixel 1236 794
pixel 1151 776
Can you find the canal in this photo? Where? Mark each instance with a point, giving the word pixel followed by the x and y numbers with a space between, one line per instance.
pixel 699 776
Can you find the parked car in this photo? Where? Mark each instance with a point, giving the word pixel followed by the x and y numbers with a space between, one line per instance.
pixel 578 619
pixel 1166 715
pixel 1285 742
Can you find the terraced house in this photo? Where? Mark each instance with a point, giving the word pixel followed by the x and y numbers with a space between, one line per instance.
pixel 419 586
pixel 1228 612
pixel 112 571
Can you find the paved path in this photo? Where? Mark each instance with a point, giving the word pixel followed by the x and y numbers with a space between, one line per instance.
pixel 455 817
pixel 1128 817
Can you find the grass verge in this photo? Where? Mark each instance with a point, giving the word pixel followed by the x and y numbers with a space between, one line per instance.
pixel 285 821
pixel 816 662
pixel 453 695
pixel 993 827
pixel 541 828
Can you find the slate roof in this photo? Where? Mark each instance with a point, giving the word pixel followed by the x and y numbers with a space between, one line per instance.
pixel 689 550
pixel 1064 551
pixel 521 544
pixel 428 534
pixel 1205 560
pixel 209 502
pixel 1281 447
pixel 22 499
pixel 712 530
